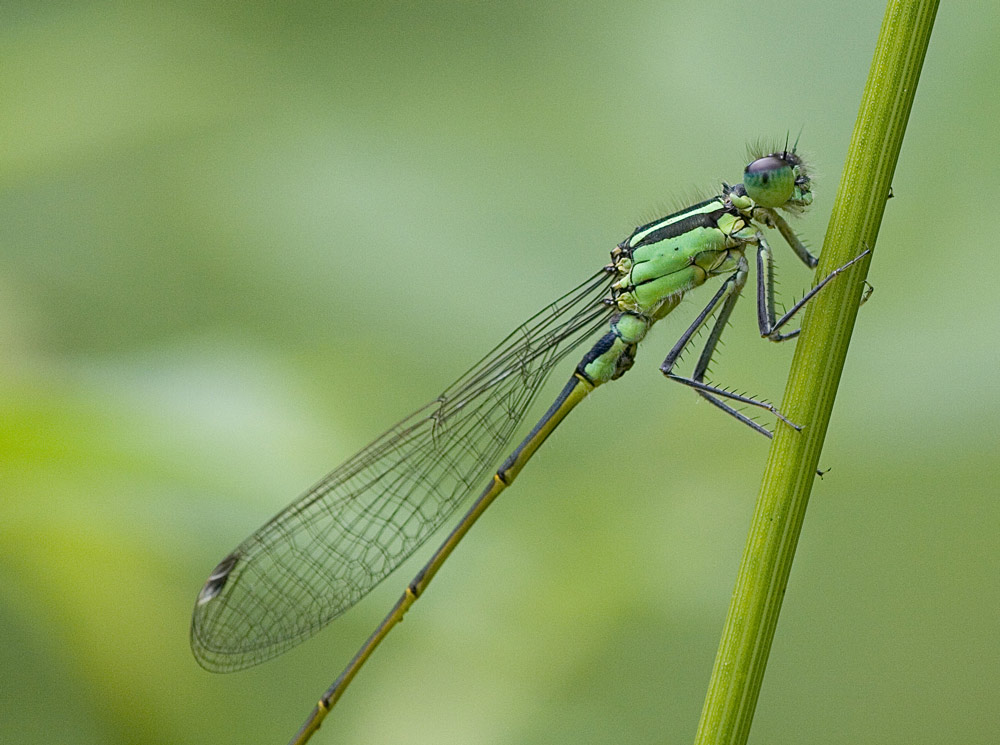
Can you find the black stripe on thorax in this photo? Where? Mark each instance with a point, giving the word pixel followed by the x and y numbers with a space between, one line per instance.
pixel 677 227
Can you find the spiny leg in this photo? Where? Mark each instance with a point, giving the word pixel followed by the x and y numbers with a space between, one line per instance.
pixel 769 327
pixel 766 313
pixel 727 295
pixel 793 240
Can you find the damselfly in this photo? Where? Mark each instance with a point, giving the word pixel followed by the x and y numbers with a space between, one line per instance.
pixel 327 549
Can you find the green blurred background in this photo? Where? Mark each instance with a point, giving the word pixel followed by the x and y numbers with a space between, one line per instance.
pixel 238 240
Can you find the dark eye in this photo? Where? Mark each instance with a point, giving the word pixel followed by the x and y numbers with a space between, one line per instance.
pixel 766 165
pixel 770 181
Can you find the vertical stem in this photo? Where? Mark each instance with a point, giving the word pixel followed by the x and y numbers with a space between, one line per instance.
pixel 815 374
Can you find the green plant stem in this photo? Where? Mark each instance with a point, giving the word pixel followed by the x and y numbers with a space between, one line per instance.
pixel 815 374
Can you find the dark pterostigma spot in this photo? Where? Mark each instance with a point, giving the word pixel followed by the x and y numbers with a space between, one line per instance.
pixel 217 579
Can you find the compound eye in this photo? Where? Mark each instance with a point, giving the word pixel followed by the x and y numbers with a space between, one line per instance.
pixel 770 181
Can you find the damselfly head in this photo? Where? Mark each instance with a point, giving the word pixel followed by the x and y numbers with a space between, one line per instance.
pixel 778 180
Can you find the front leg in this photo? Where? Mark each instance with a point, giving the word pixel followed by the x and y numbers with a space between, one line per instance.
pixel 793 240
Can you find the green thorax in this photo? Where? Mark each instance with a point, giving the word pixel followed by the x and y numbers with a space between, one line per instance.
pixel 661 261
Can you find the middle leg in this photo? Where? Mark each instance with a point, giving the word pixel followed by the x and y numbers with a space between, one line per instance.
pixel 770 326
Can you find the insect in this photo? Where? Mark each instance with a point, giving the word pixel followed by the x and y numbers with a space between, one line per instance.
pixel 327 549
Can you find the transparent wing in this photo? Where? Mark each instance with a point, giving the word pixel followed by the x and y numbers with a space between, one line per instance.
pixel 327 549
